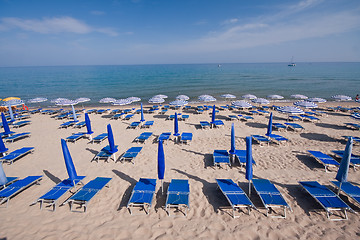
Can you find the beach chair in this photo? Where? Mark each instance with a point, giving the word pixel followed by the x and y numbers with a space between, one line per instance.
pixel 354 159
pixel 310 118
pixel 263 112
pixel 142 195
pixel 184 117
pixel 130 154
pixel 163 111
pixel 147 124
pixel 128 117
pixel 328 200
pixel 80 124
pixel 245 117
pixel 278 126
pixel 178 195
pixel 217 123
pixel 101 111
pixel 277 138
pixel 90 111
pixel 253 112
pixel 104 154
pixel 349 189
pixel 55 193
pixel 9 180
pixel 294 126
pixel 143 137
pixel 324 159
pixel 294 118
pixel 353 126
pixel 74 137
pixel 117 116
pixel 67 124
pixel 235 196
pixel 240 155
pixel 17 187
pixel 186 137
pixel 83 196
pixel 17 136
pixel 134 125
pixel 204 124
pixel 270 196
pixel 221 157
pixel 99 138
pixel 21 124
pixel 164 136
pixel 232 117
pixel 15 155
pixel 260 139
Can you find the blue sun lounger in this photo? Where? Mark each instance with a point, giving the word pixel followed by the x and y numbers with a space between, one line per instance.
pixel 128 117
pixel 21 124
pixel 178 195
pixel 278 126
pixel 221 157
pixel 232 117
pixel 324 159
pixel 235 195
pixel 356 139
pixel 147 124
pixel 354 160
pixel 326 198
pixel 164 136
pixel 14 155
pixel 349 189
pixel 310 118
pixel 67 124
pixel 204 124
pixel 17 136
pixel 186 137
pixel 101 111
pixel 9 180
pixel 83 196
pixel 134 125
pixel 270 196
pixel 245 117
pixel 294 126
pixel 260 139
pixel 277 138
pixel 240 155
pixel 17 187
pixel 131 154
pixel 217 123
pixel 55 193
pixel 99 138
pixel 117 116
pixel 80 124
pixel 184 117
pixel 142 194
pixel 353 126
pixel 75 137
pixel 104 154
pixel 294 118
pixel 143 137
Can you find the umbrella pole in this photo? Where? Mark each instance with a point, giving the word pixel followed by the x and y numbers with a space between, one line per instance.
pixel 249 187
pixel 338 191
pixel 162 187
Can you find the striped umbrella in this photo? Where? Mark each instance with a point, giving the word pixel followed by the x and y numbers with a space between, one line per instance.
pixel 305 104
pixel 316 99
pixel 156 100
pixel 261 101
pixel 248 96
pixel 182 97
pixel 228 95
pixel 134 99
pixel 275 97
pixel 161 96
pixel 59 99
pixel 241 104
pixel 290 110
pixel 107 100
pixel 37 100
pixel 299 96
pixel 179 103
pixel 355 116
pixel 341 98
pixel 121 102
pixel 207 98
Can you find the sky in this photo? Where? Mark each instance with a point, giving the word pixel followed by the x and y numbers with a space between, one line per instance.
pixel 112 32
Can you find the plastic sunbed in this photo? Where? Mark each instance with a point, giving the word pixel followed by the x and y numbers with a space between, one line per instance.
pixel 263 112
pixel 221 157
pixel 128 117
pixel 325 159
pixel 18 153
pixel 17 136
pixel 240 155
pixel 87 192
pixel 245 117
pixel 277 138
pixel 143 137
pixel 326 198
pixel 117 116
pixel 67 124
pixel 131 154
pixel 217 123
pixel 164 136
pixel 104 154
pixel 186 137
pixel 310 118
pixel 354 160
pixel 101 111
pixel 204 124
pixel 91 111
pixel 20 124
pixel 278 126
pixel 80 124
pixel 184 117
pixel 178 195
pixel 75 137
pixel 9 180
pixel 147 124
pixel 55 193
pixel 163 111
pixel 99 138
pixel 260 139
pixel 294 126
pixel 142 194
pixel 232 117
pixel 294 118
pixel 270 196
pixel 134 125
pixel 235 195
pixel 17 187
pixel 349 189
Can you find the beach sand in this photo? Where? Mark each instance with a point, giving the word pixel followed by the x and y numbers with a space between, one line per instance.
pixel 209 216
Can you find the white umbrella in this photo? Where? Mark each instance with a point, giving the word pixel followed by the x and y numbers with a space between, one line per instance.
pixel 58 99
pixel 179 103
pixel 182 97
pixel 275 97
pixel 228 95
pixel 249 96
pixel 121 102
pixel 290 110
pixel 241 104
pixel 10 103
pixel 66 102
pixel 341 98
pixel 207 98
pixel 260 101
pixel 37 100
pixel 299 96
pixel 160 96
pixel 316 99
pixel 82 100
pixel 305 104
pixel 156 100
pixel 107 100
pixel 355 116
pixel 134 99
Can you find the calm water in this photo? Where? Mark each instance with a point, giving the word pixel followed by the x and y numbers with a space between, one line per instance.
pixel 144 81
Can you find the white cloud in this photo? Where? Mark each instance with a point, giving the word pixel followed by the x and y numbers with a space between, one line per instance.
pixel 231 21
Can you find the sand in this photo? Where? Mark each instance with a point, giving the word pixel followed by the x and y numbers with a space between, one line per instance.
pixel 209 216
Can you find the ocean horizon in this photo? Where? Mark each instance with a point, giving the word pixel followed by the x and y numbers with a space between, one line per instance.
pixel 121 81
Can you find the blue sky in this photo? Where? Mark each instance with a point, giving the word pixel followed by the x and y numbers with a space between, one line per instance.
pixel 89 32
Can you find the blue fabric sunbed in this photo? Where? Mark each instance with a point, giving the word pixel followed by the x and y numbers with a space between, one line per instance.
pixel 147 124
pixel 310 118
pixel 142 194
pixel 9 180
pixel 221 157
pixel 164 136
pixel 101 111
pixel 232 117
pixel 278 126
pixel 241 157
pixel 55 193
pixel 323 158
pixel 294 126
pixel 117 116
pixel 260 139
pixel 104 154
pixel 349 189
pixel 204 124
pixel 20 124
pixel 75 137
pixel 67 124
pixel 17 136
pixel 17 187
pixel 131 154
pixel 217 123
pixel 134 125
pixel 80 124
pixel 99 138
pixel 235 195
pixel 178 195
pixel 184 117
pixel 354 160
pixel 277 138
pixel 128 117
pixel 294 118
pixel 245 117
pixel 270 196
pixel 18 153
pixel 186 137
pixel 143 137
pixel 326 198
pixel 87 192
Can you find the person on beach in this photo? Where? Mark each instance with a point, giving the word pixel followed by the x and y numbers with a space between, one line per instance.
pixel 357 97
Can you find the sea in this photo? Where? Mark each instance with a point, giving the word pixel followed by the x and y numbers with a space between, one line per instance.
pixel 121 81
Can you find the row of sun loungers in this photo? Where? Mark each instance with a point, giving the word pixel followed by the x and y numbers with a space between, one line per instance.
pixel 222 157
pixel 15 155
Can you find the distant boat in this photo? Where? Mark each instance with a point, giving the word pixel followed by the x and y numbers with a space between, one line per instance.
pixel 219 65
pixel 292 64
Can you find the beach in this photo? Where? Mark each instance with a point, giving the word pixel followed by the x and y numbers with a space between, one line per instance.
pixel 209 216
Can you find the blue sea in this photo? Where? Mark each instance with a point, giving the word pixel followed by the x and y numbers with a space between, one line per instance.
pixel 144 81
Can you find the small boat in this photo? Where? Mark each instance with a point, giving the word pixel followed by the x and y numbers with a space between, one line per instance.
pixel 292 64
